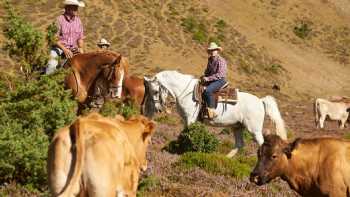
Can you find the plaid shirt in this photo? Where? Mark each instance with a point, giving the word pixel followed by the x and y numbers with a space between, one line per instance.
pixel 69 31
pixel 216 68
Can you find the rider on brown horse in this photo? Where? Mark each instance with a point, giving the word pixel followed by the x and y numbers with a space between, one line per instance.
pixel 70 34
pixel 214 76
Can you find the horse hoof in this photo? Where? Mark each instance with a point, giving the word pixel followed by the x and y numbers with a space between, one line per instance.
pixel 232 153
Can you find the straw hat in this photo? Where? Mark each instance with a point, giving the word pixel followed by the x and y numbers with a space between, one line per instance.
pixel 103 42
pixel 79 3
pixel 214 46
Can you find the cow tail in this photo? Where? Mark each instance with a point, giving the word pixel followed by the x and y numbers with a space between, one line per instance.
pixel 316 112
pixel 78 151
pixel 271 109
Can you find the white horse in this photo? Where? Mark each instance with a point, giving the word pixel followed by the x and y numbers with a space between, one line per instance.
pixel 249 109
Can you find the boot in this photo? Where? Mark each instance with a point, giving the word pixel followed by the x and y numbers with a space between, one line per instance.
pixel 211 113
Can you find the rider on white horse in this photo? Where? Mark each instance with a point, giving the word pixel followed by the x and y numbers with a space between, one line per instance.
pixel 249 110
pixel 214 77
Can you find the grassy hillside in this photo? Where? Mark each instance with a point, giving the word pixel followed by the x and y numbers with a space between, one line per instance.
pixel 301 46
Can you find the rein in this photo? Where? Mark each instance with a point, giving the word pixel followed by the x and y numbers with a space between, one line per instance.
pixel 114 63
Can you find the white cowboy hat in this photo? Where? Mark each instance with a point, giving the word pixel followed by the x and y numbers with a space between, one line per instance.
pixel 78 3
pixel 214 46
pixel 103 42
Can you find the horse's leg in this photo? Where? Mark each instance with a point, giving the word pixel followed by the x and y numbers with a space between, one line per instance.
pixel 255 126
pixel 239 141
pixel 343 121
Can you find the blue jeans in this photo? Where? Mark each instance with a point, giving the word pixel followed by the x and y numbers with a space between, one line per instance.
pixel 211 88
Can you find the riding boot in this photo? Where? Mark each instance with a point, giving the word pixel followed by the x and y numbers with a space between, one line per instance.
pixel 211 113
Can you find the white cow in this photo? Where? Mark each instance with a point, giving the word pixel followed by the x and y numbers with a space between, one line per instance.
pixel 334 110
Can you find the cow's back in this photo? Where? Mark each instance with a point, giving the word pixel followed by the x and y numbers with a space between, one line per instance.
pixel 335 110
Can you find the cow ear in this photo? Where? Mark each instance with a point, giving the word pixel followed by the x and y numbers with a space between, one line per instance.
pixel 290 147
pixel 149 128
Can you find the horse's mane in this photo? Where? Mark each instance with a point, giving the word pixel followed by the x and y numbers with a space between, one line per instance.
pixel 106 53
pixel 173 73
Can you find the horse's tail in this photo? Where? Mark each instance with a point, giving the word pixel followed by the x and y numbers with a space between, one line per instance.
pixel 271 109
pixel 78 144
pixel 316 105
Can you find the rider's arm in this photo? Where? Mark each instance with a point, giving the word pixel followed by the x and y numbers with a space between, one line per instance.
pixel 81 45
pixel 80 41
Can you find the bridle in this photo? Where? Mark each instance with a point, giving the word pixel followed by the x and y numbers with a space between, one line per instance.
pixel 159 100
pixel 110 74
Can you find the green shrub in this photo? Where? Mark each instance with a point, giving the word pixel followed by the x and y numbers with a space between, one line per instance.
pixel 218 164
pixel 112 108
pixel 197 28
pixel 225 147
pixel 274 68
pixel 247 136
pixel 195 138
pixel 51 37
pixel 29 117
pixel 24 42
pixel 302 29
pixel 221 24
pixel 166 119
pixel 147 184
pixel 346 136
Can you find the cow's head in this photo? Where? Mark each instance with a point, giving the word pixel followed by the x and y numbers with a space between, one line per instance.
pixel 273 158
pixel 141 137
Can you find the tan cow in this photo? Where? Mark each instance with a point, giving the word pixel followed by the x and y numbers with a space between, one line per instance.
pixel 334 110
pixel 312 167
pixel 98 156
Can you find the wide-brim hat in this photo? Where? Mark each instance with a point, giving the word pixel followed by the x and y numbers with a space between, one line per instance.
pixel 214 46
pixel 103 42
pixel 78 3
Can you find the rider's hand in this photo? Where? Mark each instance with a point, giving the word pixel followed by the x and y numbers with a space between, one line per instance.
pixel 68 53
pixel 203 79
pixel 81 50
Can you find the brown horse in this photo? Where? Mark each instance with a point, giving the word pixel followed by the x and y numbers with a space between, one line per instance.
pixel 134 89
pixel 88 67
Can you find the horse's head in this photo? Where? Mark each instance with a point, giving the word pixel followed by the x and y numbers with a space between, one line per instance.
pixel 156 92
pixel 115 74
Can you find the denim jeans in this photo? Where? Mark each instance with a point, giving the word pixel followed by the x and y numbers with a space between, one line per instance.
pixel 211 88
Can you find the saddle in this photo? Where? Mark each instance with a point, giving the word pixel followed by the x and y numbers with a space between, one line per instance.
pixel 225 95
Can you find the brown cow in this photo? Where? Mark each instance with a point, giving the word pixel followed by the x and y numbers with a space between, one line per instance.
pixel 312 167
pixel 98 156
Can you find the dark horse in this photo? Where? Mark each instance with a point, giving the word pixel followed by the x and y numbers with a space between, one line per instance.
pixel 88 67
